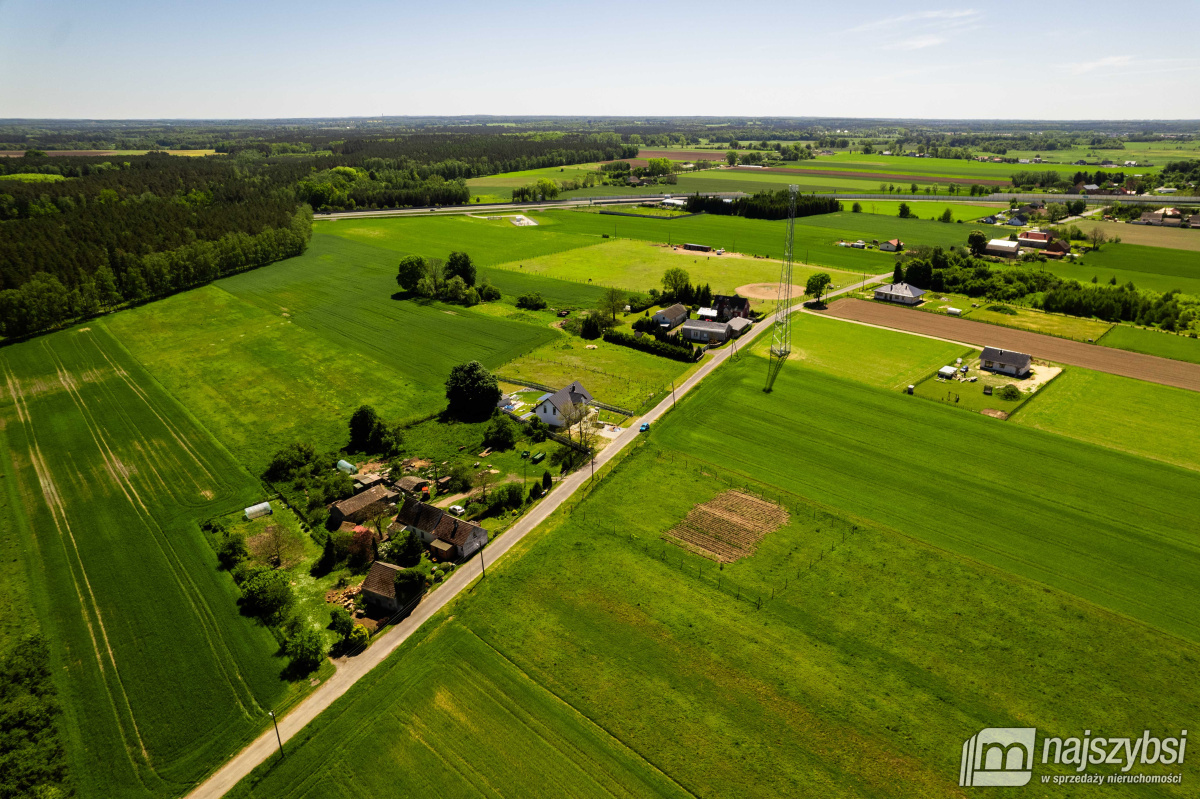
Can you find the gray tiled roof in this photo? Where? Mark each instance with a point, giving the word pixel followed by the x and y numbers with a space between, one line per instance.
pixel 574 393
pixel 901 289
pixel 1006 357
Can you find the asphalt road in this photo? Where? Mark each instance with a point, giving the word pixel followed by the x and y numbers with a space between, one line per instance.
pixel 350 670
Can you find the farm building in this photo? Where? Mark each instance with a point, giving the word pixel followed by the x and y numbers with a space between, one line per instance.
pixel 899 292
pixel 738 325
pixel 1003 247
pixel 1005 362
pixel 892 245
pixel 379 587
pixel 674 203
pixel 450 537
pixel 550 407
pixel 707 314
pixel 361 507
pixel 698 247
pixel 1057 249
pixel 367 480
pixel 412 484
pixel 669 318
pixel 258 511
pixel 1034 238
pixel 731 307
pixel 705 331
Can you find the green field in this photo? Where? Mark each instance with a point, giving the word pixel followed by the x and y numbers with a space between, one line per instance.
pixel 1157 268
pixel 638 266
pixel 159 676
pixel 873 656
pixel 1143 418
pixel 1153 342
pixel 32 177
pixel 1072 327
pixel 927 209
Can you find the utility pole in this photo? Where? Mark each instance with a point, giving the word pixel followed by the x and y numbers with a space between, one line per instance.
pixel 482 565
pixel 275 721
pixel 672 393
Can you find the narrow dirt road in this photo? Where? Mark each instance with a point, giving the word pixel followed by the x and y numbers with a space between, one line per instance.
pixel 1050 348
pixel 351 670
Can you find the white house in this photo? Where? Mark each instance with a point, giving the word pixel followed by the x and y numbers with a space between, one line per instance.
pixel 1003 247
pixel 550 408
pixel 706 332
pixel 449 537
pixel 892 245
pixel 670 317
pixel 899 292
pixel 1005 362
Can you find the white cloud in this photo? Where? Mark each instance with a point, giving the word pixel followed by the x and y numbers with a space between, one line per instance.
pixel 923 19
pixel 917 42
pixel 1090 66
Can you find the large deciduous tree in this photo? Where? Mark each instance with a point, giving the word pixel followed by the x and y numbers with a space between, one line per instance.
pixel 816 286
pixel 472 391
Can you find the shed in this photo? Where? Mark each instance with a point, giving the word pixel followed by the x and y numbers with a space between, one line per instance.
pixel 707 332
pixel 947 372
pixel 412 484
pixel 259 510
pixel 739 325
pixel 346 467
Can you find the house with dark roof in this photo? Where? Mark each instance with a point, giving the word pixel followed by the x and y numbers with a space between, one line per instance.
pixel 550 408
pixel 360 507
pixel 1005 362
pixel 730 307
pixel 449 537
pixel 899 292
pixel 379 587
pixel 672 317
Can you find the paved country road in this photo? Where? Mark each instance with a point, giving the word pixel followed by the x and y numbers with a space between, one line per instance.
pixel 1049 348
pixel 350 670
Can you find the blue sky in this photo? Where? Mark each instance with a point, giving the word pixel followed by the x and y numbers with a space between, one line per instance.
pixel 1000 60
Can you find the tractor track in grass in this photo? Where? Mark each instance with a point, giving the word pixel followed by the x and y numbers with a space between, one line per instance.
pixel 1139 366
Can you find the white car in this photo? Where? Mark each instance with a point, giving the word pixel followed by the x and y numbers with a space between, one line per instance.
pixel 457 510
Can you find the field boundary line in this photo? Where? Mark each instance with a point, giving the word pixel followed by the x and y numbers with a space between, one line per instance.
pixel 579 713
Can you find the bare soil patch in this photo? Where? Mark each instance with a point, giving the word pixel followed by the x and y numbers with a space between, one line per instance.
pixel 728 527
pixel 765 291
pixel 1047 348
pixel 995 414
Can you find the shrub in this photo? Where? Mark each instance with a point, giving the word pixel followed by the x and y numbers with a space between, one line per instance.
pixel 501 433
pixel 488 292
pixel 531 302
pixel 509 495
pixel 1010 392
pixel 590 328
pixel 359 636
pixel 403 550
pixel 547 480
pixel 267 594
pixel 410 583
pixel 232 551
pixel 341 622
pixel 1004 309
pixel 306 649
pixel 535 493
pixel 653 346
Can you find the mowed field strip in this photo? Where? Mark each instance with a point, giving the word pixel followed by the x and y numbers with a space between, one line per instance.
pixel 1050 348
pixel 161 675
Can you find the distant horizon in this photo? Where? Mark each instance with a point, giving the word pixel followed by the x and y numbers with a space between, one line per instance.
pixel 305 60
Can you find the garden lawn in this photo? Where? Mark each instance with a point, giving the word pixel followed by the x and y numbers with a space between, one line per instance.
pixel 844 659
pixel 926 209
pixel 159 676
pixel 1143 418
pixel 1153 342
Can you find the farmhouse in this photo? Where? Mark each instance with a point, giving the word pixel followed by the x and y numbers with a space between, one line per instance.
pixel 379 588
pixel 1034 238
pixel 1003 247
pixel 450 537
pixel 731 307
pixel 899 292
pixel 412 484
pixel 669 318
pixel 361 507
pixel 892 245
pixel 550 407
pixel 1005 362
pixel 705 331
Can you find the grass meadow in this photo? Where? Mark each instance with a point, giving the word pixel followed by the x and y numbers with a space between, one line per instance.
pixel 159 675
pixel 1142 418
pixel 1157 268
pixel 1147 235
pixel 1153 342
pixel 1072 327
pixel 845 658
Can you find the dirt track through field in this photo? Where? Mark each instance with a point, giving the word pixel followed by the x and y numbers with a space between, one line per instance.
pixel 1050 348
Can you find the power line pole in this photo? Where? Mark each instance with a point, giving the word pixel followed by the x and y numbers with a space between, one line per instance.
pixel 277 736
pixel 781 343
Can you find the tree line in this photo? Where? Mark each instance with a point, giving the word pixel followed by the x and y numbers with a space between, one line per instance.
pixel 764 205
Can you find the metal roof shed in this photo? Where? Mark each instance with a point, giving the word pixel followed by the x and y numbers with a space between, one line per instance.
pixel 947 372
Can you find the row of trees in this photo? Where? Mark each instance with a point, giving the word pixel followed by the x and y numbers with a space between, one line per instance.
pixel 677 287
pixel 763 205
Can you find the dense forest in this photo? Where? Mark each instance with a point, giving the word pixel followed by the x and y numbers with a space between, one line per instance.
pixel 80 235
